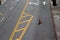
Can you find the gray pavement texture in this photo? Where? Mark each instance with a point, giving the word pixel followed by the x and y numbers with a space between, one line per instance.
pixel 12 10
pixel 57 24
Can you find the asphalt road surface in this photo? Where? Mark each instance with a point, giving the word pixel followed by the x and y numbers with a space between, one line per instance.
pixel 20 20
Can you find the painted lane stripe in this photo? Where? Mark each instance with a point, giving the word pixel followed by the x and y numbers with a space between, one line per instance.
pixel 2 19
pixel 3 1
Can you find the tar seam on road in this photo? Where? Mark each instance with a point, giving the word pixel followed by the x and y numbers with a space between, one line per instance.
pixel 19 22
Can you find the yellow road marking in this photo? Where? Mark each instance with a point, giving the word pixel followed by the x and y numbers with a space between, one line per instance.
pixel 21 36
pixel 23 22
pixel 19 22
pixel 20 29
pixel 26 15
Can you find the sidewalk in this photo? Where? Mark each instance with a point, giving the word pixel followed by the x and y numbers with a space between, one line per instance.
pixel 56 15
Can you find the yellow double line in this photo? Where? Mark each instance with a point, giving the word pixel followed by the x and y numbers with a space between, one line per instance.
pixel 19 22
